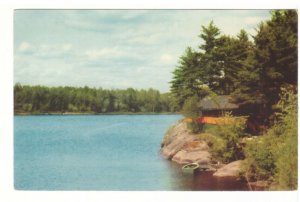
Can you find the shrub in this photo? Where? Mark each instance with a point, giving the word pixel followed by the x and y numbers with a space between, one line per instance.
pixel 228 132
pixel 259 163
pixel 191 107
pixel 287 148
pixel 191 110
pixel 217 145
pixel 273 156
pixel 194 126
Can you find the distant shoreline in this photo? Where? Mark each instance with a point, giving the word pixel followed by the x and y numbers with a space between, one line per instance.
pixel 93 113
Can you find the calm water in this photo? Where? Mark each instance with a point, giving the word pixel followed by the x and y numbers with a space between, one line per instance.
pixel 109 152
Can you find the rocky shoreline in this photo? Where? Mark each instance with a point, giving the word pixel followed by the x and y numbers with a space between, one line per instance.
pixel 183 147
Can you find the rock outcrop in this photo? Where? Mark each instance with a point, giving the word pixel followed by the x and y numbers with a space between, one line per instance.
pixel 230 170
pixel 184 157
pixel 175 139
pixel 182 147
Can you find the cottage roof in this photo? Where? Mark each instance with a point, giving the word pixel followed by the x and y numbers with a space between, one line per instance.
pixel 221 102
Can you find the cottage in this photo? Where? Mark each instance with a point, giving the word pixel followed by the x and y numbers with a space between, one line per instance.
pixel 213 110
pixel 217 106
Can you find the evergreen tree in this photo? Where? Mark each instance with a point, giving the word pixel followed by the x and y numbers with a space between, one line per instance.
pixel 276 56
pixel 211 67
pixel 187 79
pixel 246 76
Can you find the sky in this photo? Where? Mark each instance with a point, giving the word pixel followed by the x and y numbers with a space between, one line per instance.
pixel 114 49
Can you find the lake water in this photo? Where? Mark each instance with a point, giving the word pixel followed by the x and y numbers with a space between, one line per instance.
pixel 101 152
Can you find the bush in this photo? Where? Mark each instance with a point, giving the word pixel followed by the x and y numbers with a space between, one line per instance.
pixel 209 138
pixel 260 159
pixel 227 134
pixel 192 111
pixel 194 126
pixel 217 145
pixel 273 156
pixel 191 107
pixel 287 148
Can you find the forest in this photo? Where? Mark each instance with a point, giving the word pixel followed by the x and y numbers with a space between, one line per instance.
pixel 42 99
pixel 251 69
pixel 259 73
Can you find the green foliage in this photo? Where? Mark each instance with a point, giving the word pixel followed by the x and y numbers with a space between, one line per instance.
pixel 251 72
pixel 209 58
pixel 194 126
pixel 217 146
pixel 227 134
pixel 215 66
pixel 273 156
pixel 191 107
pixel 191 110
pixel 41 99
pixel 260 159
pixel 209 138
pixel 186 78
pixel 287 150
pixel 272 64
pixel 27 107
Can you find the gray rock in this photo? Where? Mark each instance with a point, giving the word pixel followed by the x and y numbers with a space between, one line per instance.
pixel 178 129
pixel 176 145
pixel 175 139
pixel 196 145
pixel 230 170
pixel 182 146
pixel 184 157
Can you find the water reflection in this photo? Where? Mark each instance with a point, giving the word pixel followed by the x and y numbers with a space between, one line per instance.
pixel 201 181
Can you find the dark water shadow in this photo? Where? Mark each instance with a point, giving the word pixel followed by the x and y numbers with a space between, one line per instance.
pixel 203 181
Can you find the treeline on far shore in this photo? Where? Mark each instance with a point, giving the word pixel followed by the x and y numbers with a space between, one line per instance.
pixel 72 100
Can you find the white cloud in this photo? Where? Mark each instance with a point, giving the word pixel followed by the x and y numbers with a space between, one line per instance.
pixel 135 14
pixel 66 47
pixel 104 53
pixel 166 58
pixel 55 47
pixel 25 47
pixel 253 20
pixel 45 50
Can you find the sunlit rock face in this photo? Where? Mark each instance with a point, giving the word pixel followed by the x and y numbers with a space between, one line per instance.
pixel 183 147
pixel 232 169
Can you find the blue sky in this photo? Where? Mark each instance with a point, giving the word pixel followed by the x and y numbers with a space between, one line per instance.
pixel 113 48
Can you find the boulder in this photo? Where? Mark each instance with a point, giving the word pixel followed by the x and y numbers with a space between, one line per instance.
pixel 175 139
pixel 230 170
pixel 196 145
pixel 198 156
pixel 176 145
pixel 177 129
pixel 182 146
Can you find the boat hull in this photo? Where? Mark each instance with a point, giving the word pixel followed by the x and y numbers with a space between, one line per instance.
pixel 191 168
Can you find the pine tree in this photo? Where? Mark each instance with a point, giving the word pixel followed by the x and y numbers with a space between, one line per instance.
pixel 276 55
pixel 187 80
pixel 209 63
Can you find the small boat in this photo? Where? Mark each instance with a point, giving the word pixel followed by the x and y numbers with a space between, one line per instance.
pixel 204 167
pixel 190 168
